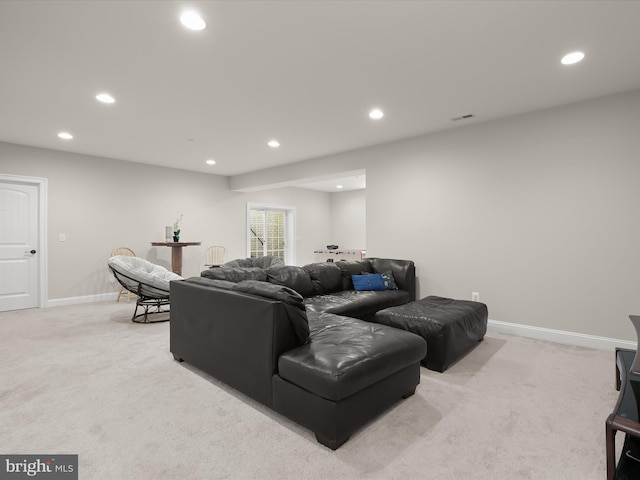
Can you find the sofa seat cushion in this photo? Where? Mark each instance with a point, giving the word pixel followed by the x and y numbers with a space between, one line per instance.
pixel 356 304
pixel 345 355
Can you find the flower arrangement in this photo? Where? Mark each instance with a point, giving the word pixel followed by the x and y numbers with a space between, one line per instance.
pixel 176 229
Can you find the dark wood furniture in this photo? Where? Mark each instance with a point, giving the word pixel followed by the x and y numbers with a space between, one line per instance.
pixel 624 418
pixel 176 253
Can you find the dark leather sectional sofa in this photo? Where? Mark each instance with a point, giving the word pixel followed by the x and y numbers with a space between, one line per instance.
pixel 298 340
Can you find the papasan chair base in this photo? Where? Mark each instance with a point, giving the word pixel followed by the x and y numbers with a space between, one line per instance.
pixel 148 304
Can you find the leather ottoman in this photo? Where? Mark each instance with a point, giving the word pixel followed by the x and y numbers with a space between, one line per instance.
pixel 452 328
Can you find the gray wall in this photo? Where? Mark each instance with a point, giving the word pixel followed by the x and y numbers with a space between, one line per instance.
pixel 348 219
pixel 103 203
pixel 537 212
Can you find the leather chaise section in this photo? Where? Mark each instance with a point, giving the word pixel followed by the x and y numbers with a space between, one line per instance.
pixel 346 355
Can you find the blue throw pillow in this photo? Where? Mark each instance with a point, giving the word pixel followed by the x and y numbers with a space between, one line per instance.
pixel 371 281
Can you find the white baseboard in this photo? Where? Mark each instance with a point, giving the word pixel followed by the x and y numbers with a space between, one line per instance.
pixel 102 297
pixel 559 336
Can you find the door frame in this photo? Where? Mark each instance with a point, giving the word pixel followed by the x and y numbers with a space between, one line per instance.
pixel 41 184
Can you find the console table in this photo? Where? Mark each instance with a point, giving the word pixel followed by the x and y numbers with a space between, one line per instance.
pixel 176 253
pixel 625 418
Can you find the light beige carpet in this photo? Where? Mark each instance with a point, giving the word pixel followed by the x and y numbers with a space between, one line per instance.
pixel 85 380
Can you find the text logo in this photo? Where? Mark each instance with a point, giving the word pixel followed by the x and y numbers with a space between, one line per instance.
pixel 45 467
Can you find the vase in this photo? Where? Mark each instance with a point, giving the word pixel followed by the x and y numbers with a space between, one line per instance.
pixel 176 238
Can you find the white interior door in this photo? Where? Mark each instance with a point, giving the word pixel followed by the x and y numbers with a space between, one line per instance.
pixel 19 266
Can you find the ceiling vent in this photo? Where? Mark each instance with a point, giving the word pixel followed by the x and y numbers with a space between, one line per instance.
pixel 462 117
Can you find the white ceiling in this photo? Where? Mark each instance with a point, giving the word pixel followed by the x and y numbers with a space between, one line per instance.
pixel 353 180
pixel 304 72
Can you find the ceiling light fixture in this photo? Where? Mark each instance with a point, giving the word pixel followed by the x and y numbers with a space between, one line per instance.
pixel 192 21
pixel 273 143
pixel 211 162
pixel 105 98
pixel 65 135
pixel 338 186
pixel 571 58
pixel 376 114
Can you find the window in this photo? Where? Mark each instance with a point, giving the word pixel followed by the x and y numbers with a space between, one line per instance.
pixel 270 232
pixel 267 233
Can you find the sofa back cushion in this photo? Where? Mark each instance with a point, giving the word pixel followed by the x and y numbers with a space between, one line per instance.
pixel 325 277
pixel 403 271
pixel 235 274
pixel 291 276
pixel 260 262
pixel 240 262
pixel 352 268
pixel 292 300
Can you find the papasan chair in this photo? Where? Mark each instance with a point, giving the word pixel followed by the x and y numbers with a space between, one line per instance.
pixel 150 282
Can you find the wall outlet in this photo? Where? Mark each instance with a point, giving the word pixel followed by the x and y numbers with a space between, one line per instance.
pixel 475 296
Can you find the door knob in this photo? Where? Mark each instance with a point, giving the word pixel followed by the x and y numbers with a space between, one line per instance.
pixel 33 251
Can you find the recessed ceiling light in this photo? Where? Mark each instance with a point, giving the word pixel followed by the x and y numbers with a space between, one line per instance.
pixel 338 186
pixel 273 143
pixel 211 162
pixel 376 114
pixel 571 58
pixel 65 135
pixel 192 21
pixel 105 98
